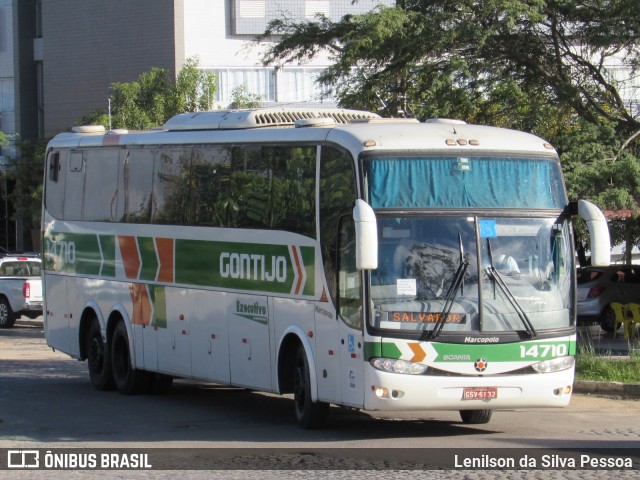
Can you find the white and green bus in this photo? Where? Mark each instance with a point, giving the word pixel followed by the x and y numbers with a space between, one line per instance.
pixel 377 264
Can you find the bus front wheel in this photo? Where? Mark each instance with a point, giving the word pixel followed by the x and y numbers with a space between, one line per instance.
pixel 475 417
pixel 128 380
pixel 98 358
pixel 309 414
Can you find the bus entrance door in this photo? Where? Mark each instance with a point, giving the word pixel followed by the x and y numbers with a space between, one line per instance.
pixel 351 366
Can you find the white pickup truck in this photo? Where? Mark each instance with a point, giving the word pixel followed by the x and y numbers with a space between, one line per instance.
pixel 20 288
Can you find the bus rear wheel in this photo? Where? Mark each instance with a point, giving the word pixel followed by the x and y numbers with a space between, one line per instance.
pixel 475 417
pixel 309 414
pixel 128 380
pixel 98 358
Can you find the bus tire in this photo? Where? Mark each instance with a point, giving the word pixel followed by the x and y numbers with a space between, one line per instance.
pixel 7 317
pixel 98 358
pixel 128 380
pixel 309 415
pixel 475 417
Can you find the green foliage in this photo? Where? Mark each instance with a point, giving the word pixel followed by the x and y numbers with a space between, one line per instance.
pixel 194 90
pixel 154 98
pixel 27 172
pixel 243 98
pixel 438 57
pixel 3 139
pixel 590 366
pixel 534 65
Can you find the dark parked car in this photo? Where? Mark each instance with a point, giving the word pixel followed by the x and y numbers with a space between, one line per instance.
pixel 598 287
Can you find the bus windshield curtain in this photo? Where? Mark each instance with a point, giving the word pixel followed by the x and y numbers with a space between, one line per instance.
pixel 464 183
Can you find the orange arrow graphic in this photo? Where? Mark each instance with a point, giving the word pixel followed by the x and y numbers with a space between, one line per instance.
pixel 298 268
pixel 418 353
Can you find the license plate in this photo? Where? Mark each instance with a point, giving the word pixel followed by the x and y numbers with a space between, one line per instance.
pixel 479 393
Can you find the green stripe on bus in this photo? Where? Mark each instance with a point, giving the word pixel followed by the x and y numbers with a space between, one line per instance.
pixel 381 349
pixel 235 266
pixel 108 246
pixel 309 257
pixel 238 266
pixel 73 253
pixel 148 257
pixel 505 352
pixel 159 301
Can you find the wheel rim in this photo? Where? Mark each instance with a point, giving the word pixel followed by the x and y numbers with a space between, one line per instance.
pixel 4 313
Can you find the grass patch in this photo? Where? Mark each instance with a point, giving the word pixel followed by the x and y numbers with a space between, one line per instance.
pixel 590 366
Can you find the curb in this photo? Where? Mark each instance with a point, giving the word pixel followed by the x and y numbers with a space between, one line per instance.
pixel 626 390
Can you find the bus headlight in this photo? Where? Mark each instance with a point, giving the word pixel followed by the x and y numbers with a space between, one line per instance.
pixel 398 366
pixel 554 365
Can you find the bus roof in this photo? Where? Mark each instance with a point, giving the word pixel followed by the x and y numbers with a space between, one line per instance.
pixel 356 130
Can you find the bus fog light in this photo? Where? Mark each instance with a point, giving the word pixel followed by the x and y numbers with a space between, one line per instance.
pixel 562 391
pixel 381 392
pixel 397 394
pixel 554 365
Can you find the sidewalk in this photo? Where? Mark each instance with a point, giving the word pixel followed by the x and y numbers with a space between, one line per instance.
pixel 607 345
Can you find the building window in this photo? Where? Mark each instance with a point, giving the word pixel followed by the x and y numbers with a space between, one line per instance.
pixel 259 81
pixel 7 96
pixel 251 8
pixel 299 85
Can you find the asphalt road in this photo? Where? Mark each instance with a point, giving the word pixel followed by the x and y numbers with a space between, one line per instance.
pixel 47 402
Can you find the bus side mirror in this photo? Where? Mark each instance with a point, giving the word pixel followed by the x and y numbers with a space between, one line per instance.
pixel 366 236
pixel 598 231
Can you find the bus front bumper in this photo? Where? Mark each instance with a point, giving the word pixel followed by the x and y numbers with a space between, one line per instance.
pixel 389 391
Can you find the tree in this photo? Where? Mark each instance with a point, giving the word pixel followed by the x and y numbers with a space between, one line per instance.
pixel 154 98
pixel 195 89
pixel 25 174
pixel 437 56
pixel 241 97
pixel 535 65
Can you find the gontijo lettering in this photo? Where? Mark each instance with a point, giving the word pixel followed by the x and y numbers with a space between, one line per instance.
pixel 253 267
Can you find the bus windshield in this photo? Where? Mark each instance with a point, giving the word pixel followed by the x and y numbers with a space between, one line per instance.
pixel 464 182
pixel 497 274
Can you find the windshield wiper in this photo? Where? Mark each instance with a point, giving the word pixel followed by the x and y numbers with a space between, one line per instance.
pixel 456 285
pixel 497 279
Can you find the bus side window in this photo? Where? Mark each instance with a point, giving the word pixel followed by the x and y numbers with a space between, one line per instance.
pixel 100 183
pixel 54 166
pixel 337 197
pixel 349 283
pixel 55 183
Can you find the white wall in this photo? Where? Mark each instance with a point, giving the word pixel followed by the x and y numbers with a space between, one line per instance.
pixel 238 58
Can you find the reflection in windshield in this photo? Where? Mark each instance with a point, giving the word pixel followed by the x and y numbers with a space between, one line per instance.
pixel 419 259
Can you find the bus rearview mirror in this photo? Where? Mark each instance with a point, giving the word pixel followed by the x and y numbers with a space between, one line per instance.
pixel 598 231
pixel 366 236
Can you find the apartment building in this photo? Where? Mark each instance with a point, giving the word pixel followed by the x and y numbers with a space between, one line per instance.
pixel 80 47
pixel 58 58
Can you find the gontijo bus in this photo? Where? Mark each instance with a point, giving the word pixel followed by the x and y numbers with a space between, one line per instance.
pixel 380 264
